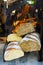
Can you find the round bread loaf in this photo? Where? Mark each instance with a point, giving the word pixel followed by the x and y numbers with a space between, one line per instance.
pixel 13 51
pixel 30 43
pixel 13 37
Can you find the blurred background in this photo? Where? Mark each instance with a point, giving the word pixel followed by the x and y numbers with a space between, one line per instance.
pixel 7 17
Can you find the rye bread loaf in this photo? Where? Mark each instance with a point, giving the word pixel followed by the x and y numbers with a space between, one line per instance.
pixel 30 43
pixel 13 51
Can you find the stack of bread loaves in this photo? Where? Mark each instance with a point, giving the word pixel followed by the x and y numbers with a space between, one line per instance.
pixel 19 45
pixel 22 38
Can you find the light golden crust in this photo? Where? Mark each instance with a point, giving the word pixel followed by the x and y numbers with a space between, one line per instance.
pixel 13 37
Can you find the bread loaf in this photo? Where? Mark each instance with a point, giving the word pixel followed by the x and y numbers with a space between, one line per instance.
pixel 13 37
pixel 13 51
pixel 30 43
pixel 24 29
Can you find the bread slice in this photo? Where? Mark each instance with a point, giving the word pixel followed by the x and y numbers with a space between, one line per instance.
pixel 24 29
pixel 30 43
pixel 13 37
pixel 12 52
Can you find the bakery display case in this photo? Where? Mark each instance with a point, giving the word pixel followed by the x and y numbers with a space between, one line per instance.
pixel 22 29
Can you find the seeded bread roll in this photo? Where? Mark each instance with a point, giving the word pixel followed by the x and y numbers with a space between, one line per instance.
pixel 13 37
pixel 30 43
pixel 13 51
pixel 24 29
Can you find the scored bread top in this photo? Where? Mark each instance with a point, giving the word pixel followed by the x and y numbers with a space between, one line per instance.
pixel 31 38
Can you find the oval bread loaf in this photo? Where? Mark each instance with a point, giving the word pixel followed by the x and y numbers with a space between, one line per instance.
pixel 13 51
pixel 30 43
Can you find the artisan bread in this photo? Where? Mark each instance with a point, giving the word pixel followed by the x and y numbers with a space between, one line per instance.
pixel 24 29
pixel 30 43
pixel 13 51
pixel 13 37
